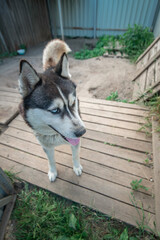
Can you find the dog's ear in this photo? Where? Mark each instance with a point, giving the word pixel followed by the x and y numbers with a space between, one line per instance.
pixel 28 78
pixel 62 67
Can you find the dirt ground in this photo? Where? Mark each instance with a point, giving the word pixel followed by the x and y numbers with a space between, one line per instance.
pixel 96 77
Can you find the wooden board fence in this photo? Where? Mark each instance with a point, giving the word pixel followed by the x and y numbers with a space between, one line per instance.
pixel 147 78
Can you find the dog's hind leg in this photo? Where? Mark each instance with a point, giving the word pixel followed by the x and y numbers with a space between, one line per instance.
pixel 77 168
pixel 52 174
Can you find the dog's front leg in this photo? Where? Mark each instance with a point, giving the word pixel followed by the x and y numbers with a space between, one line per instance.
pixel 77 168
pixel 52 174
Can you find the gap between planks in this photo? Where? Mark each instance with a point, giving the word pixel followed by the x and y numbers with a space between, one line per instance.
pixel 123 153
pixel 126 133
pixel 92 168
pixel 112 103
pixel 105 138
pixel 93 183
pixel 107 122
pixel 28 143
pixel 116 109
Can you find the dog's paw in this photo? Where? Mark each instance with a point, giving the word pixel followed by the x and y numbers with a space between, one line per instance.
pixel 78 170
pixel 52 176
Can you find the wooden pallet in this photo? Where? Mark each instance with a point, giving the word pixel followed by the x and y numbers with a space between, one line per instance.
pixel 147 78
pixel 113 154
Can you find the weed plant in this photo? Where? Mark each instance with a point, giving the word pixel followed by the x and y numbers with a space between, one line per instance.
pixel 114 97
pixel 43 216
pixel 134 41
pixel 136 185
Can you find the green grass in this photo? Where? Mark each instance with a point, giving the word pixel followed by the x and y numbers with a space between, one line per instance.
pixel 41 215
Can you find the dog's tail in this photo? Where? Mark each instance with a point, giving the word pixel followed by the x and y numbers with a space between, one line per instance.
pixel 53 52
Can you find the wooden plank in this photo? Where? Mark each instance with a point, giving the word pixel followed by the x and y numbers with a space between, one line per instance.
pixel 112 103
pixel 90 155
pixel 106 121
pixel 10 99
pixel 157 55
pixel 4 201
pixel 8 89
pixel 90 144
pixel 119 141
pixel 100 128
pixel 143 80
pixel 114 151
pixel 100 137
pixel 92 168
pixel 157 70
pixel 81 195
pixel 118 131
pixel 156 160
pixel 147 50
pixel 111 115
pixel 111 122
pixel 12 104
pixel 10 94
pixel 7 112
pixel 121 110
pixel 5 183
pixel 150 92
pixel 150 77
pixel 6 217
pixel 99 185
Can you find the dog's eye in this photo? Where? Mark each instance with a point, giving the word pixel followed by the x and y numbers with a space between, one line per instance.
pixel 56 110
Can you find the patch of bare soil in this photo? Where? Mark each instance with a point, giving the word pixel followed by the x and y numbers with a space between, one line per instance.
pixel 96 77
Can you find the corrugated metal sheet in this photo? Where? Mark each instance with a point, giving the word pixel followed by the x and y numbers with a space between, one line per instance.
pixel 112 16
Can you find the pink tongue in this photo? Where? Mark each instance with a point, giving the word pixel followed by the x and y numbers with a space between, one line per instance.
pixel 74 142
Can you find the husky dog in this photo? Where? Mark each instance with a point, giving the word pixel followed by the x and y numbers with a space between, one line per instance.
pixel 50 105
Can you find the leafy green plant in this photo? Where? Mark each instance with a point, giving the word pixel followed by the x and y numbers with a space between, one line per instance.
pixel 8 54
pixel 135 40
pixel 114 97
pixel 86 53
pixel 136 185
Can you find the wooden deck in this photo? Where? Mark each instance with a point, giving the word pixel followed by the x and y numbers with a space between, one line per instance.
pixel 9 99
pixel 113 154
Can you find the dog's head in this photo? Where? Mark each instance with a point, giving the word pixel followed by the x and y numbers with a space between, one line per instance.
pixel 50 104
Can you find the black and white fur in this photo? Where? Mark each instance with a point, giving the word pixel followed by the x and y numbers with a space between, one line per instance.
pixel 50 105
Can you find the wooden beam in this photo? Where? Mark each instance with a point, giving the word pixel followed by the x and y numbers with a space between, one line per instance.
pixel 157 55
pixel 147 50
pixel 156 160
pixel 4 201
pixel 6 216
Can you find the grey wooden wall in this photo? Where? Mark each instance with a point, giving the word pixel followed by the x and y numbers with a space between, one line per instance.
pixel 23 22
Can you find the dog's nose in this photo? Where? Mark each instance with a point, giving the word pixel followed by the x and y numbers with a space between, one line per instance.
pixel 80 132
